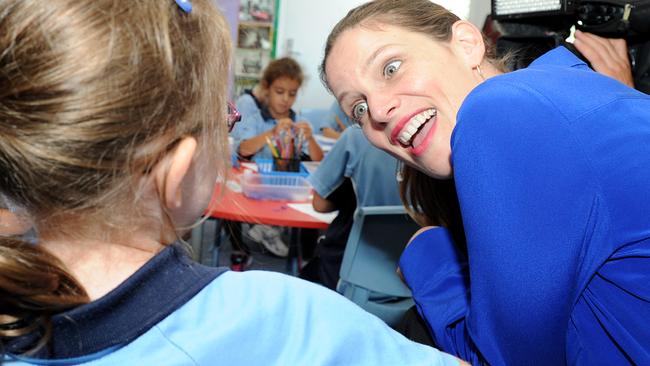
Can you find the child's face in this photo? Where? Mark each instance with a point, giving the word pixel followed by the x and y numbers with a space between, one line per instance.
pixel 404 88
pixel 281 95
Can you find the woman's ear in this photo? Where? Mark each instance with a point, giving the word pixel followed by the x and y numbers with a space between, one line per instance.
pixel 176 165
pixel 467 41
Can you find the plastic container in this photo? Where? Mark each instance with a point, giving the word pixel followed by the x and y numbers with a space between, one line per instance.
pixel 266 166
pixel 275 187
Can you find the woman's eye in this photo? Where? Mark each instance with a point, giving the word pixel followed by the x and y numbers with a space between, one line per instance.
pixel 358 110
pixel 391 68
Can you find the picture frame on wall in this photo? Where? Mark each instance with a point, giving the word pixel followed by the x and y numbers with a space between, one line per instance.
pixel 255 42
pixel 251 62
pixel 254 36
pixel 257 10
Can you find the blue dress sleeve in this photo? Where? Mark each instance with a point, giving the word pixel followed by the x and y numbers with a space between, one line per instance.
pixel 436 272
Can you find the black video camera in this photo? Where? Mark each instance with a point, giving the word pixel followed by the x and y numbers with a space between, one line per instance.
pixel 532 27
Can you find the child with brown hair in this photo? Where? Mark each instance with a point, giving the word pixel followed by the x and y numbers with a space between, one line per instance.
pixel 112 136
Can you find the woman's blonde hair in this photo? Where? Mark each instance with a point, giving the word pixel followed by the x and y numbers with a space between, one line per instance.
pixel 92 95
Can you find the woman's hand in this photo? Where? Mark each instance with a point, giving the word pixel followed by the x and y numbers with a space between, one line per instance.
pixel 607 56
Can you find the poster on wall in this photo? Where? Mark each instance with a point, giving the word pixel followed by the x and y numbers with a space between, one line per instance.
pixel 256 10
pixel 254 36
pixel 254 42
pixel 251 62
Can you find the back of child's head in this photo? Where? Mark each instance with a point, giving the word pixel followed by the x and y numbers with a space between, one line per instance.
pixel 282 67
pixel 93 94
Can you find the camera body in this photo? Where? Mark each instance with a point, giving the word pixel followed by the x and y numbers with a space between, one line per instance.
pixel 607 18
pixel 527 29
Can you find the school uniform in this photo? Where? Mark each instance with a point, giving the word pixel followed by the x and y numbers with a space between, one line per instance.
pixel 174 311
pixel 257 123
pixel 247 104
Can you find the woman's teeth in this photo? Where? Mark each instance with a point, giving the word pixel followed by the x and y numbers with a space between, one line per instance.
pixel 412 127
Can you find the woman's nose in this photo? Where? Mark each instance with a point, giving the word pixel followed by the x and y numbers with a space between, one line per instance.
pixel 382 108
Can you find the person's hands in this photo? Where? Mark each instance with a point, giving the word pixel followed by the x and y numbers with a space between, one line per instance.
pixel 304 128
pixel 607 56
pixel 283 124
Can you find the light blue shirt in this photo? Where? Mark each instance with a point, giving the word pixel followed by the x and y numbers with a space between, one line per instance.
pixel 247 105
pixel 255 124
pixel 335 110
pixel 249 318
pixel 371 170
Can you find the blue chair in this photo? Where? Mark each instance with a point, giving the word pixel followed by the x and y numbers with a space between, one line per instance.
pixel 367 277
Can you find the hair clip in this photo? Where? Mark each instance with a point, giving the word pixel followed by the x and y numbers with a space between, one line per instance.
pixel 185 5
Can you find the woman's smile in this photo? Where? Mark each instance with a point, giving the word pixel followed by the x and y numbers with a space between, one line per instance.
pixel 414 132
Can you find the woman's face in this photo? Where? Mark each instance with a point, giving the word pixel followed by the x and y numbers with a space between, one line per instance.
pixel 404 88
pixel 281 96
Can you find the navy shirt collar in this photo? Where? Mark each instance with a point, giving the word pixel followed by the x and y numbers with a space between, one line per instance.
pixel 266 114
pixel 162 285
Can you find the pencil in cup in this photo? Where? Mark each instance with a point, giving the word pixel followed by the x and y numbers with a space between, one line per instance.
pixel 273 148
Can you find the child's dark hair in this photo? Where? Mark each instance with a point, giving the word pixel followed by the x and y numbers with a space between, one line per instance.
pixel 282 67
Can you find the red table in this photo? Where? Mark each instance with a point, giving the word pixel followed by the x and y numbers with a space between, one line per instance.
pixel 228 204
pixel 231 205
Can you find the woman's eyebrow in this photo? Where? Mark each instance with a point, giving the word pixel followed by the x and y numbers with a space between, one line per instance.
pixel 373 56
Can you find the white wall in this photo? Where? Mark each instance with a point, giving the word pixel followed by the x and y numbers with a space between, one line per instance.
pixel 303 26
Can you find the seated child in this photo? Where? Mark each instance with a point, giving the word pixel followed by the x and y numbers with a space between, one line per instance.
pixel 114 131
pixel 275 124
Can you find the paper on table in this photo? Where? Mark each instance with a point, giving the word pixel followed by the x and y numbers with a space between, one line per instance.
pixel 309 210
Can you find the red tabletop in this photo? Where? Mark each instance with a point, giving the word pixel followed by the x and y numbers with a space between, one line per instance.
pixel 231 205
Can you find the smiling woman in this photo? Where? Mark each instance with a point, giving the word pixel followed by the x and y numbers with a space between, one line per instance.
pixel 392 59
pixel 558 250
pixel 113 131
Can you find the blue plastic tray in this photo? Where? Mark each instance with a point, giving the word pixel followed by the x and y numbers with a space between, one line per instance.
pixel 265 166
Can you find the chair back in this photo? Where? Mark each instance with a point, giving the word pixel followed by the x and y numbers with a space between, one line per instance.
pixel 367 277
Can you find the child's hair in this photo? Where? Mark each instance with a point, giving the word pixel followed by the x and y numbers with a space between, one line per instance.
pixel 93 93
pixel 420 16
pixel 282 67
